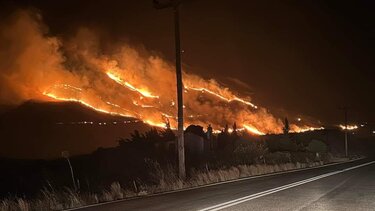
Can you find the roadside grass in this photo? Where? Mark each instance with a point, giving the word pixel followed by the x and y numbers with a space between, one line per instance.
pixel 164 179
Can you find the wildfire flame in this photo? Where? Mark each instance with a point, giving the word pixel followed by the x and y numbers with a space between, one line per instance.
pixel 305 129
pixel 222 97
pixel 253 130
pixel 126 81
pixel 143 92
pixel 85 104
pixel 348 127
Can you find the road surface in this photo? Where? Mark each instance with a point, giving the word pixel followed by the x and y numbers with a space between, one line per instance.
pixel 349 186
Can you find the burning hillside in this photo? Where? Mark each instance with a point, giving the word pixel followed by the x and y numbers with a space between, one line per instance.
pixel 126 81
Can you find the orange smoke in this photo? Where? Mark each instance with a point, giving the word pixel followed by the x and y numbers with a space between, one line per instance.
pixel 128 82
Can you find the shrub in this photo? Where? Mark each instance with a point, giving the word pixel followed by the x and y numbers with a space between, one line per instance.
pixel 277 157
pixel 247 152
pixel 317 146
pixel 283 144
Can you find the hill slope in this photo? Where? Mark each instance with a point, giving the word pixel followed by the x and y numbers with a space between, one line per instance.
pixel 43 130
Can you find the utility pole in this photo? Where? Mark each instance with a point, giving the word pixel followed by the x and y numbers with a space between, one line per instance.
pixel 180 112
pixel 346 131
pixel 345 108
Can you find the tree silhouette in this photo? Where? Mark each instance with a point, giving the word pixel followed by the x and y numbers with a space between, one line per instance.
pixel 234 132
pixel 167 135
pixel 286 127
pixel 168 124
pixel 209 132
pixel 226 129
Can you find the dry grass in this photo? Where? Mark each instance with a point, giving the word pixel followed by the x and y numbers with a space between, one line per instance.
pixel 165 180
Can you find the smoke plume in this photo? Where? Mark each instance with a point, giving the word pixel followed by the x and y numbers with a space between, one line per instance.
pixel 124 80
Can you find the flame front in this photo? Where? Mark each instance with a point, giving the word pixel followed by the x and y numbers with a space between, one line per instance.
pixel 127 81
pixel 235 98
pixel 348 127
pixel 253 130
pixel 143 92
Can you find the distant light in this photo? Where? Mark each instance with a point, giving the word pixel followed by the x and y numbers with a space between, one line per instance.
pixel 362 125
pixel 348 127
pixel 299 119
pixel 373 132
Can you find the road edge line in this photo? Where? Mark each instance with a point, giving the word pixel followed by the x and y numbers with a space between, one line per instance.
pixel 278 189
pixel 214 184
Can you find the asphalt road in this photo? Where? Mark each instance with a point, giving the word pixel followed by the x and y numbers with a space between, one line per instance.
pixel 349 186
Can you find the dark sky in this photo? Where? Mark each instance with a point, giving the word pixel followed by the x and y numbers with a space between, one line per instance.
pixel 302 57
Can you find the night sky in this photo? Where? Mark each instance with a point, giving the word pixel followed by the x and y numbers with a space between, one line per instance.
pixel 294 57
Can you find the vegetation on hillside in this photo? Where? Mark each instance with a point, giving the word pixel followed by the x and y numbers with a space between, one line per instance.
pixel 145 163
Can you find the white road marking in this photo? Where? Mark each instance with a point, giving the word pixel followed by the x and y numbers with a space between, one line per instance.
pixel 309 203
pixel 281 188
pixel 216 184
